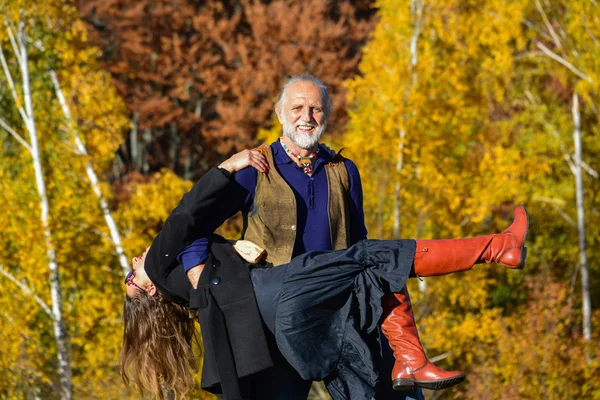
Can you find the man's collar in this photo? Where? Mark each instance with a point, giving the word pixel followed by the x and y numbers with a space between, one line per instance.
pixel 280 156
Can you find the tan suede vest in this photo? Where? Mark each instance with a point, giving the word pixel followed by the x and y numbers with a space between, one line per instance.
pixel 272 222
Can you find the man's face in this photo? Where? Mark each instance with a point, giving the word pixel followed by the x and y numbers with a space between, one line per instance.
pixel 302 114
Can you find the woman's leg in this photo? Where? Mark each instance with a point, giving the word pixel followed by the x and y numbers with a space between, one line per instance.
pixel 441 257
pixel 412 366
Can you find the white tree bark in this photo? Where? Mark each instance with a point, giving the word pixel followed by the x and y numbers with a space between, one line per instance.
pixel 585 285
pixel 416 10
pixel 134 143
pixel 398 184
pixel 27 113
pixel 146 138
pixel 89 169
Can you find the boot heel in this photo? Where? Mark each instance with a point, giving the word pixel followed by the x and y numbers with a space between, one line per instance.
pixel 523 258
pixel 403 384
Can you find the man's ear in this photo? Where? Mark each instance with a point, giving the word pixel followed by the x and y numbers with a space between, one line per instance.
pixel 279 112
pixel 151 289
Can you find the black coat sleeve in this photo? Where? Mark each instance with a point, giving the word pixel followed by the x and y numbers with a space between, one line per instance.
pixel 214 193
pixel 235 344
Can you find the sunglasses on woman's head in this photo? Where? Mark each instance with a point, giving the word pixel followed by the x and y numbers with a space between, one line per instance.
pixel 129 279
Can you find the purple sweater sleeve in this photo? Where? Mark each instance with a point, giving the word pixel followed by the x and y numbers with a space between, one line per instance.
pixel 358 230
pixel 197 252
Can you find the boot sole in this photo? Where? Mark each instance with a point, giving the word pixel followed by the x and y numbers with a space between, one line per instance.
pixel 441 384
pixel 403 384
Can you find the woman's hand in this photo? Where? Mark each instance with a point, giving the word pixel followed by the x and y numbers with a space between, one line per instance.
pixel 246 158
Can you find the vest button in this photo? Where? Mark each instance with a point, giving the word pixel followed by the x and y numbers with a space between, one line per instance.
pixel 293 227
pixel 215 280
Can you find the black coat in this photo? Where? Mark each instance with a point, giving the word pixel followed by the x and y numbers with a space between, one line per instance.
pixel 234 339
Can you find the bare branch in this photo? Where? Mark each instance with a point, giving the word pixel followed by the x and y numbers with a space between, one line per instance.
pixel 439 357
pixel 593 105
pixel 13 42
pixel 15 135
pixel 531 25
pixel 569 161
pixel 551 200
pixel 11 83
pixel 556 203
pixel 587 29
pixel 115 236
pixel 530 97
pixel 27 290
pixel 548 24
pixel 569 157
pixel 564 62
pixel 589 169
pixel 563 148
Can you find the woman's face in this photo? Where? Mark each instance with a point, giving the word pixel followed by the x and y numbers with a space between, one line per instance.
pixel 137 278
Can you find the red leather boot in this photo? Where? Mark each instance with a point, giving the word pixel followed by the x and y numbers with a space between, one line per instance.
pixel 441 257
pixel 412 366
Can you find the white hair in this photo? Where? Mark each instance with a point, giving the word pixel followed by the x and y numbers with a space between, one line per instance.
pixel 307 78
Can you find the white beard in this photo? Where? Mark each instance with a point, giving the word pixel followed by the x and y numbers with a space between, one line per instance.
pixel 300 139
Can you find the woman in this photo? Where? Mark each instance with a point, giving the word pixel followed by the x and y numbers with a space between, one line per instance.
pixel 322 308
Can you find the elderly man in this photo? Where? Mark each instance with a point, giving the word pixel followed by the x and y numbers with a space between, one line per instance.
pixel 309 198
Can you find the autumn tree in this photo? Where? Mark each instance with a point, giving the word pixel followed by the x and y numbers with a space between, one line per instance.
pixel 89 275
pixel 200 78
pixel 476 100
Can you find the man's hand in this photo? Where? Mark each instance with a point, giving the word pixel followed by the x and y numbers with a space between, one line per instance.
pixel 246 158
pixel 194 273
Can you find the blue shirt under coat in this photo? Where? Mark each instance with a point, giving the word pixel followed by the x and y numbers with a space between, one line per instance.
pixel 311 194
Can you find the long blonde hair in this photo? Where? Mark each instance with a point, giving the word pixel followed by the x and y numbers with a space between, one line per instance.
pixel 157 352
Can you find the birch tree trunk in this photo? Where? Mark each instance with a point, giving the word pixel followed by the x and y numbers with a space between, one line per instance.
pixel 89 169
pixel 146 138
pixel 175 145
pixel 187 164
pixel 64 367
pixel 585 285
pixel 576 168
pixel 416 10
pixel 134 152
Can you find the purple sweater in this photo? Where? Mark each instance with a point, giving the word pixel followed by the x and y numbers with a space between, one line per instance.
pixel 311 200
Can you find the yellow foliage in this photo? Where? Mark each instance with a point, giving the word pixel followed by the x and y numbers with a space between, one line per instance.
pixel 456 118
pixel 141 217
pixel 480 121
pixel 90 276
